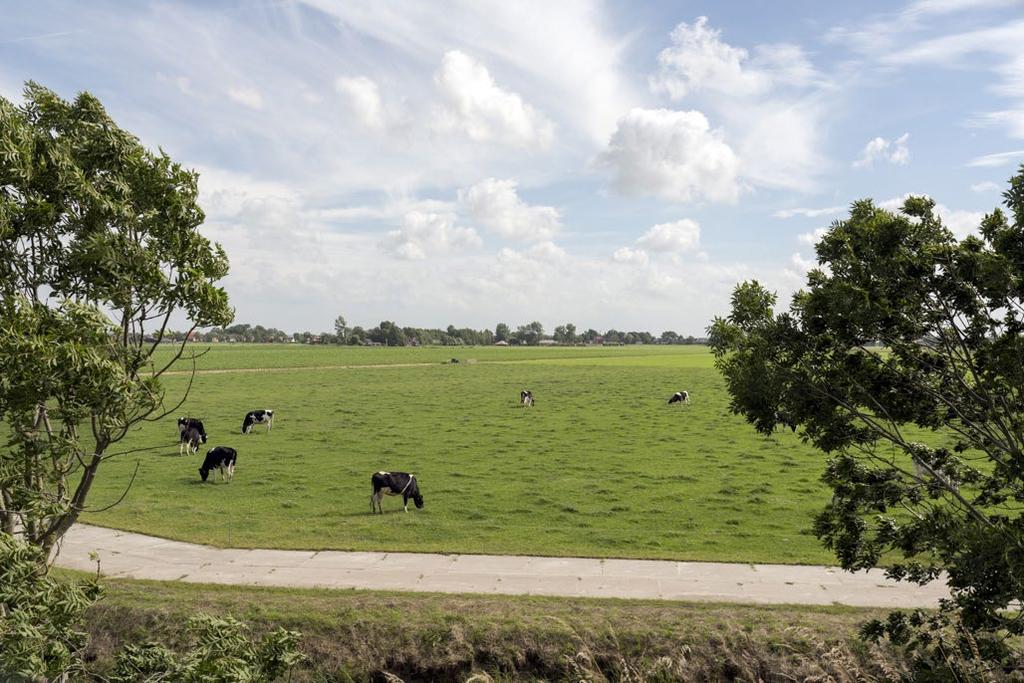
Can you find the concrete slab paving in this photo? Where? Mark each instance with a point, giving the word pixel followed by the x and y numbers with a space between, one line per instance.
pixel 129 555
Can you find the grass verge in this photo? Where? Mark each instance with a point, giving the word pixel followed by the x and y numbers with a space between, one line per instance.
pixel 360 635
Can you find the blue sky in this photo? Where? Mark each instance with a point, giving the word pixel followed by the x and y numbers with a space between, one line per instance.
pixel 607 164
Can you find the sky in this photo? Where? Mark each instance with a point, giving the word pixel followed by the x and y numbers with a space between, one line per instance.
pixel 606 164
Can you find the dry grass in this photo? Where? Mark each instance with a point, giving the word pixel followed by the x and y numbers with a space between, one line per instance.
pixel 351 635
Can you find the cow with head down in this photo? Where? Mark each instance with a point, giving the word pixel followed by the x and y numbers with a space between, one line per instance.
pixel 394 484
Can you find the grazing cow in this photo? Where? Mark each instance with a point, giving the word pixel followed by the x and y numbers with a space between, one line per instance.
pixel 680 397
pixel 785 420
pixel 525 398
pixel 923 473
pixel 219 458
pixel 189 441
pixel 186 422
pixel 257 417
pixel 394 484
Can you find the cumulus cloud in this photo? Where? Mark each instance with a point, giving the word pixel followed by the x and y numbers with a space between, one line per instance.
pixel 547 251
pixel 636 257
pixel 880 149
pixel 674 155
pixel 495 205
pixel 362 97
pixel 473 104
pixel 246 96
pixel 811 238
pixel 769 100
pixel 682 235
pixel 422 233
pixel 698 59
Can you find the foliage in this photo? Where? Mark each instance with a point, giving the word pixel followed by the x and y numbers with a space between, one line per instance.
pixel 39 615
pixel 99 247
pixel 341 329
pixel 219 650
pixel 925 436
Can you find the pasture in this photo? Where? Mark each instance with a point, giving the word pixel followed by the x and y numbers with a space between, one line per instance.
pixel 601 467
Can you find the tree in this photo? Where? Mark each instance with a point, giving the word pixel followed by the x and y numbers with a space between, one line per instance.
pixel 501 332
pixel 925 436
pixel 40 617
pixel 560 334
pixel 99 247
pixel 341 329
pixel 530 334
pixel 570 333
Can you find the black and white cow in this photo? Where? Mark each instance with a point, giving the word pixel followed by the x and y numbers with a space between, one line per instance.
pixel 257 417
pixel 186 422
pixel 680 397
pixel 784 419
pixel 189 440
pixel 219 458
pixel 525 398
pixel 394 484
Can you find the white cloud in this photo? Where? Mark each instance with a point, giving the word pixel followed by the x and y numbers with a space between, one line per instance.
pixel 473 104
pixel 249 97
pixel 1011 119
pixel 363 98
pixel 423 233
pixel 961 223
pixel 770 104
pixel 495 205
pixel 698 59
pixel 681 235
pixel 998 159
pixel 566 57
pixel 880 149
pixel 809 213
pixel 674 155
pixel 636 257
pixel 547 251
pixel 811 238
pixel 984 186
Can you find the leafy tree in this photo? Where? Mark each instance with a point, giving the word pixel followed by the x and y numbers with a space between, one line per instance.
pixel 560 334
pixel 530 334
pixel 669 337
pixel 341 329
pixel 570 333
pixel 501 332
pixel 99 247
pixel 925 436
pixel 40 617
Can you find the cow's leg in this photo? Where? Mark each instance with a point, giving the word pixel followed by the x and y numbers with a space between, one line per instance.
pixel 405 502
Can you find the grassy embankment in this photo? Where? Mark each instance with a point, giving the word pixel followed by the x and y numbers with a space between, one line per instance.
pixel 359 635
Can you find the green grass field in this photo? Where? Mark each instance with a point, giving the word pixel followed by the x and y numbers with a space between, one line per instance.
pixel 602 466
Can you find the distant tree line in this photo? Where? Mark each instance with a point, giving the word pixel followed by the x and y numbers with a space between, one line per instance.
pixel 389 333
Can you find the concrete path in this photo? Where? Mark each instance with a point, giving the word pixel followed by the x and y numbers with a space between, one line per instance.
pixel 127 555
